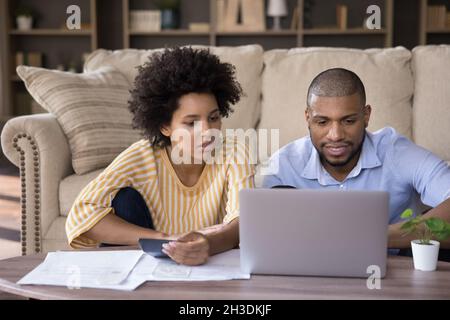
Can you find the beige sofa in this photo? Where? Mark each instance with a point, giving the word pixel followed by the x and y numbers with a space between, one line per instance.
pixel 408 90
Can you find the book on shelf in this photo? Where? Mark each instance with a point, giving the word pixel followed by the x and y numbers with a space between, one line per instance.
pixel 145 20
pixel 33 59
pixel 436 16
pixel 341 16
pixel 199 27
pixel 252 15
pixel 220 8
pixel 295 18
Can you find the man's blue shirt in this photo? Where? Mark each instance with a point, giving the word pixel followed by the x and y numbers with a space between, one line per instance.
pixel 388 162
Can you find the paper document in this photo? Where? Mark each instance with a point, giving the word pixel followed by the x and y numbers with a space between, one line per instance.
pixel 127 270
pixel 86 269
pixel 223 266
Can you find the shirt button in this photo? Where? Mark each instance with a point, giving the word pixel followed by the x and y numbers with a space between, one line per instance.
pixel 341 186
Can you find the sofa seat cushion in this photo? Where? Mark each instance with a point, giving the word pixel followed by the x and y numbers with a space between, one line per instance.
pixel 57 231
pixel 386 74
pixel 248 61
pixel 431 107
pixel 91 108
pixel 70 187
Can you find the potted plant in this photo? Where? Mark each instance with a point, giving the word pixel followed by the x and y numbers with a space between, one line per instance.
pixel 170 13
pixel 425 250
pixel 24 18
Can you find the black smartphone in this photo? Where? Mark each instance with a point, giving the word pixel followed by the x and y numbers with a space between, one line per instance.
pixel 153 247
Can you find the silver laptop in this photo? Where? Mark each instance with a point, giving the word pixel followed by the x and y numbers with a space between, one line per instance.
pixel 313 232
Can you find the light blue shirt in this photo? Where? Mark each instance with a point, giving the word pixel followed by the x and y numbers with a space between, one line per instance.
pixel 388 162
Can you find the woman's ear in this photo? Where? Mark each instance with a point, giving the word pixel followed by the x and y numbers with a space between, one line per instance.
pixel 165 130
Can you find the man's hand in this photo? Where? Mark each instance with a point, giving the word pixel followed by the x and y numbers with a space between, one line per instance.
pixel 191 249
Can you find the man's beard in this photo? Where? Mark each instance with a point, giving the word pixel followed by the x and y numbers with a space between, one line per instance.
pixel 342 163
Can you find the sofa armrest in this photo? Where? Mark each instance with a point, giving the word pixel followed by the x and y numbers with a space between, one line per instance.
pixel 37 145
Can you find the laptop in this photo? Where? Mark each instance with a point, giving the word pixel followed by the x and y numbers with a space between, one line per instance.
pixel 313 232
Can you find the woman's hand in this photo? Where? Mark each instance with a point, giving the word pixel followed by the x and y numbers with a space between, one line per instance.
pixel 190 249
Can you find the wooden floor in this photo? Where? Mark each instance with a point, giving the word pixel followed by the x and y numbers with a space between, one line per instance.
pixel 9 210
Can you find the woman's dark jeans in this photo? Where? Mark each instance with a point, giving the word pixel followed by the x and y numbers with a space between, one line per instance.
pixel 129 205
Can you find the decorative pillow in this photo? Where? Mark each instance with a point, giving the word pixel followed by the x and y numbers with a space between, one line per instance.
pixel 431 109
pixel 386 74
pixel 91 109
pixel 248 61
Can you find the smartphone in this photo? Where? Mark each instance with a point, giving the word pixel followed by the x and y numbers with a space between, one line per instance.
pixel 153 247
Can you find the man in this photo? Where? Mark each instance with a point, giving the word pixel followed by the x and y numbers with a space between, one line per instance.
pixel 341 154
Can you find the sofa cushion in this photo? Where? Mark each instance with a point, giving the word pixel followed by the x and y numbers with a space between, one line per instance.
pixel 431 106
pixel 91 109
pixel 386 74
pixel 70 187
pixel 248 61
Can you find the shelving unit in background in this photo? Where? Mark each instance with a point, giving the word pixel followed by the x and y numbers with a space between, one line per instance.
pixel 190 11
pixel 321 34
pixel 49 36
pixel 111 25
pixel 427 34
pixel 269 39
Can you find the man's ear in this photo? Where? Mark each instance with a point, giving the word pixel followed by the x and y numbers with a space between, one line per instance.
pixel 367 112
pixel 307 114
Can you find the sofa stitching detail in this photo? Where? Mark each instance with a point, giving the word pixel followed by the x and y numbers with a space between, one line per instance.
pixel 36 167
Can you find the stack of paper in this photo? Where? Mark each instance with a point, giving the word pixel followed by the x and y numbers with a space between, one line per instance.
pixel 127 270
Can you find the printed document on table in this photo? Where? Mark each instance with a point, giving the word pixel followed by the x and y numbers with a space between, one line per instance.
pixel 126 270
pixel 223 266
pixel 86 269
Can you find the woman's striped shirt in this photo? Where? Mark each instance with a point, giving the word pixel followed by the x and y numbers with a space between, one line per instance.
pixel 174 207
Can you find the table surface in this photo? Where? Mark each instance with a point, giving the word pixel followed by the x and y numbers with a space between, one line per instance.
pixel 401 282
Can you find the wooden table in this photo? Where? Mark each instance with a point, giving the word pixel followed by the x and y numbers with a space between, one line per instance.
pixel 401 282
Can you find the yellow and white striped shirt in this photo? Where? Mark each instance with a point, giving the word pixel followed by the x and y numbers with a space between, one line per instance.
pixel 174 207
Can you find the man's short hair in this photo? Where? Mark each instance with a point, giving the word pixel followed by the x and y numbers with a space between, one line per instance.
pixel 336 82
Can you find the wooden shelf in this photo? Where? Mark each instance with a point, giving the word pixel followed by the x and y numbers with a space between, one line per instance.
pixel 336 31
pixel 296 37
pixel 444 30
pixel 424 30
pixel 168 33
pixel 268 33
pixel 50 32
pixel 56 43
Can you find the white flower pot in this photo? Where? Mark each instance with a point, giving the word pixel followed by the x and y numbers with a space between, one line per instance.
pixel 425 256
pixel 24 23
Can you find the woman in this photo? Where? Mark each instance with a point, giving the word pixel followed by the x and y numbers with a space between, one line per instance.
pixel 161 187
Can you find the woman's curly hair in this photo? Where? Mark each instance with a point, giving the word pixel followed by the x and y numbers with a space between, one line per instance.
pixel 172 73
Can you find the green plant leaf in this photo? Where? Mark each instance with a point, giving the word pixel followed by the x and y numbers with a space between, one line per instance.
pixel 444 233
pixel 408 225
pixel 408 213
pixel 435 224
pixel 441 236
